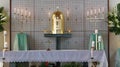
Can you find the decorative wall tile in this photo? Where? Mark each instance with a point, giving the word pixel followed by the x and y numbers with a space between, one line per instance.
pixel 79 24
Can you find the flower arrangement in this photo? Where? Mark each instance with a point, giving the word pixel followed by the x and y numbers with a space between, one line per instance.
pixel 3 18
pixel 114 20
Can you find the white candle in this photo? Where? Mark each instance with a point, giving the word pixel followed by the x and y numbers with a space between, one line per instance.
pixel 5 33
pixel 93 43
pixel 15 10
pixel 95 11
pixel 99 38
pixel 21 11
pixel 25 12
pixel 91 12
pixel 88 13
pixel 99 42
pixel 96 32
pixel 18 11
pixel 5 45
pixel 99 10
pixel 92 49
pixel 3 53
pixel 29 14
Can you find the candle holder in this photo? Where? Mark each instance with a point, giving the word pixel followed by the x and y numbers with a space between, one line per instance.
pixel 95 14
pixel 92 50
pixel 22 15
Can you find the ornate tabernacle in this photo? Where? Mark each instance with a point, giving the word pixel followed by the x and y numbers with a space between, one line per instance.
pixel 57 22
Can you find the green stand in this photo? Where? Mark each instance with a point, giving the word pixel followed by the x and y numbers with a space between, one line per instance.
pixel 58 41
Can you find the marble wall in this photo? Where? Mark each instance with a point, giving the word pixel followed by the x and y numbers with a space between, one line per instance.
pixel 78 22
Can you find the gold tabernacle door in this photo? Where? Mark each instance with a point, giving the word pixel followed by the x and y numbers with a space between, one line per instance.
pixel 57 22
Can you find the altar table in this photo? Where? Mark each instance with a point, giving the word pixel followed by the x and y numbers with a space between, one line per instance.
pixel 55 56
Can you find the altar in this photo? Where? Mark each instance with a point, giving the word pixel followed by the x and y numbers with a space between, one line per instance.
pixel 55 56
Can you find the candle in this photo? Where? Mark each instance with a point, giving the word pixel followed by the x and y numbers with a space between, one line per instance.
pixel 99 10
pixel 25 12
pixel 3 53
pixel 88 13
pixel 21 12
pixel 92 49
pixel 5 33
pixel 5 45
pixel 95 11
pixel 99 42
pixel 29 14
pixel 93 43
pixel 18 11
pixel 91 12
pixel 15 10
pixel 96 32
pixel 99 38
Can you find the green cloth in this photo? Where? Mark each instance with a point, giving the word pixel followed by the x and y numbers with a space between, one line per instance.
pixel 100 45
pixel 20 42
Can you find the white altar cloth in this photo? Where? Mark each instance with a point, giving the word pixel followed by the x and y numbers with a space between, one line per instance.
pixel 55 56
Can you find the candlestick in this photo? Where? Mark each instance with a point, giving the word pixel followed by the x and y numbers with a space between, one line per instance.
pixel 21 12
pixel 91 12
pixel 99 10
pixel 29 14
pixel 5 33
pixel 18 11
pixel 93 44
pixel 96 32
pixel 95 11
pixel 15 10
pixel 92 49
pixel 3 53
pixel 88 13
pixel 5 45
pixel 25 12
pixel 99 42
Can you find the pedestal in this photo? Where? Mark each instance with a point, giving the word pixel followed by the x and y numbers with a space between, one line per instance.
pixel 58 41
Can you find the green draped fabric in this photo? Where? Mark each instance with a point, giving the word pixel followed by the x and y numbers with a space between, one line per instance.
pixel 20 43
pixel 100 45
